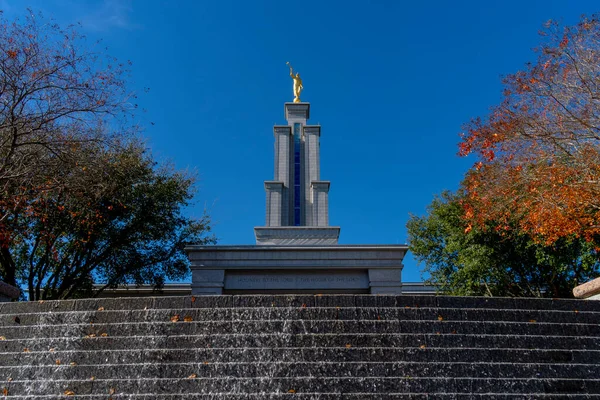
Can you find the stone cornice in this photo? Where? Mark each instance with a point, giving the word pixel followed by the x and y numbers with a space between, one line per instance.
pixel 297 110
pixel 321 185
pixel 337 247
pixel 282 130
pixel 273 185
pixel 312 130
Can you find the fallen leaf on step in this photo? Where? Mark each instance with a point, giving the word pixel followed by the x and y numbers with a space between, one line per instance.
pixel 303 305
pixel 348 345
pixel 422 346
pixel 69 393
pixel 101 309
pixel 93 378
pixel 91 335
pixel 104 334
pixel 187 318
pixel 440 318
pixel 192 376
pixel 379 318
pixel 26 350
pixel 111 391
pixel 175 318
pixel 193 299
pixel 576 312
pixel 205 362
pixel 9 379
pixel 533 321
pixel 2 338
pixel 51 349
pixel 57 362
pixel 5 391
pixel 72 363
pixel 41 301
pixel 291 391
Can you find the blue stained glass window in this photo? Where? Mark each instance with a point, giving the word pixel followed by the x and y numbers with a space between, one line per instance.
pixel 296 174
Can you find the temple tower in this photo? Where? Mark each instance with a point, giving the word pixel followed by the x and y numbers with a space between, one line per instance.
pixel 296 251
pixel 297 211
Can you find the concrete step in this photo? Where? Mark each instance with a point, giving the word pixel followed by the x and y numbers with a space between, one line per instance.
pixel 305 384
pixel 271 340
pixel 315 354
pixel 323 396
pixel 141 303
pixel 303 347
pixel 159 328
pixel 299 369
pixel 293 313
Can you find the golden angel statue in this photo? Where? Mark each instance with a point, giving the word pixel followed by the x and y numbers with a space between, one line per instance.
pixel 297 84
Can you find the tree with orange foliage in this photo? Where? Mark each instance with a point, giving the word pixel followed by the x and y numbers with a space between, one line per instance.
pixel 470 260
pixel 538 153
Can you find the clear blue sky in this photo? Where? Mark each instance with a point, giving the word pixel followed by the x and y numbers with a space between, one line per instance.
pixel 390 82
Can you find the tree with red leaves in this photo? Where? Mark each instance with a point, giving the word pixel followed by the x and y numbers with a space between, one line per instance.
pixel 538 153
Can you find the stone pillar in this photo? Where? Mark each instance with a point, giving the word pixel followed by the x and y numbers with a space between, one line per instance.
pixel 8 292
pixel 207 281
pixel 311 170
pixel 282 171
pixel 274 203
pixel 320 203
pixel 385 281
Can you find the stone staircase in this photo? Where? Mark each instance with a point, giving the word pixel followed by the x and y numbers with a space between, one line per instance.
pixel 300 347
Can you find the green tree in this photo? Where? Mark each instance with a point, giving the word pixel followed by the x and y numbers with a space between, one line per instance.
pixel 120 222
pixel 81 202
pixel 58 96
pixel 469 260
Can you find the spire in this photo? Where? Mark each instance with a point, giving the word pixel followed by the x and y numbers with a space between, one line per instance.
pixel 296 197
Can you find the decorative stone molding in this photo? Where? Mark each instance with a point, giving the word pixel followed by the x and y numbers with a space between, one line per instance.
pixel 589 290
pixel 296 235
pixel 297 111
pixel 8 292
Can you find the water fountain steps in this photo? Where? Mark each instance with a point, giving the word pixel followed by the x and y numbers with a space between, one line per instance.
pixel 374 354
pixel 321 396
pixel 533 327
pixel 305 347
pixel 299 313
pixel 332 301
pixel 277 340
pixel 308 384
pixel 303 369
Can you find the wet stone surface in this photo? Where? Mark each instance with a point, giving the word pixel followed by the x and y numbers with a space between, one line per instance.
pixel 301 347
